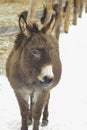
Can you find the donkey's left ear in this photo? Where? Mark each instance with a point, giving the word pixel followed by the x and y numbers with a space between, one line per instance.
pixel 23 25
pixel 47 26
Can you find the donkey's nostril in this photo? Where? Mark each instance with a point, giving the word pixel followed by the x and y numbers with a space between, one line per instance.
pixel 47 80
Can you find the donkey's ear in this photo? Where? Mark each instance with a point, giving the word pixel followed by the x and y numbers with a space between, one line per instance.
pixel 23 25
pixel 47 26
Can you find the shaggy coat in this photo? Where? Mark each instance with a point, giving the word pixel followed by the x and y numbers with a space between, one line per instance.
pixel 33 69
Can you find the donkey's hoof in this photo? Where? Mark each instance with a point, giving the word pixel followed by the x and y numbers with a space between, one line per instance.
pixel 29 122
pixel 24 128
pixel 44 123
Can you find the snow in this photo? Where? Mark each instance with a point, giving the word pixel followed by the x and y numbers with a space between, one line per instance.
pixel 68 102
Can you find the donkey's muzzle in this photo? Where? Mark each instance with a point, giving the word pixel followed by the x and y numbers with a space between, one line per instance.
pixel 47 81
pixel 46 76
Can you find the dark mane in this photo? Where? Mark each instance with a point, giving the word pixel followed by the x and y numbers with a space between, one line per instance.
pixel 33 28
pixel 19 39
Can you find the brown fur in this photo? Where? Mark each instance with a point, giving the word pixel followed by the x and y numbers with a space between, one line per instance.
pixel 23 69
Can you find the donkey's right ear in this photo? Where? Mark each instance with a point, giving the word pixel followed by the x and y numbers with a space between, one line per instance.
pixel 23 25
pixel 47 26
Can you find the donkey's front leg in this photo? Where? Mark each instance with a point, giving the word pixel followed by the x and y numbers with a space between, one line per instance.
pixel 45 113
pixel 23 104
pixel 36 114
pixel 36 111
pixel 30 112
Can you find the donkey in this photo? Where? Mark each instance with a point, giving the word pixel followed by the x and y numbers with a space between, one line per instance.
pixel 33 69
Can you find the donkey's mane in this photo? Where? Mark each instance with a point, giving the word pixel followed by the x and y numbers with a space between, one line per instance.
pixel 19 39
pixel 33 28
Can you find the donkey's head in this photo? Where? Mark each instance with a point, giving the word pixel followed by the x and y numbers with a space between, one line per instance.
pixel 36 53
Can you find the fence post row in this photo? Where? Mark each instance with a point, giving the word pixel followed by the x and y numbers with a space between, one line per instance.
pixel 73 7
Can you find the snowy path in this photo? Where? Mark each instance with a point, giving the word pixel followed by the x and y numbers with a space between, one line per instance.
pixel 68 104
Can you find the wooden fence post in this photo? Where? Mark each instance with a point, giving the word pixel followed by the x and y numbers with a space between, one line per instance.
pixel 58 20
pixel 67 16
pixel 75 11
pixel 86 6
pixel 80 8
pixel 31 11
pixel 49 4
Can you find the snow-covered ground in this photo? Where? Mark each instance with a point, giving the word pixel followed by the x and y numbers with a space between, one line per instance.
pixel 68 103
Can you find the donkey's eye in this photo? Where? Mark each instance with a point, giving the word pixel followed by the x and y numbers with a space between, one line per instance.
pixel 36 53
